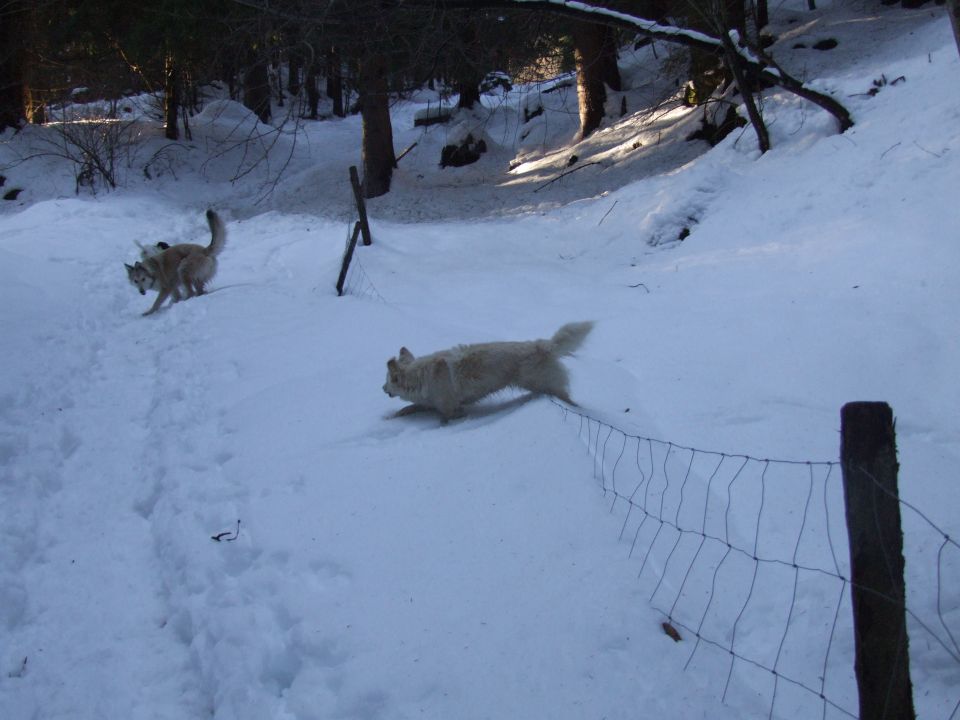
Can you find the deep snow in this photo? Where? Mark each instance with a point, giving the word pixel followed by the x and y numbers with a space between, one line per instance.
pixel 396 568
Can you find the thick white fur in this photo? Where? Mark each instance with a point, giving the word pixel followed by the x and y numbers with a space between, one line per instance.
pixel 445 381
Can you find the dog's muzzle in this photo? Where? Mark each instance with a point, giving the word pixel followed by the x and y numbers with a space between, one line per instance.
pixel 142 291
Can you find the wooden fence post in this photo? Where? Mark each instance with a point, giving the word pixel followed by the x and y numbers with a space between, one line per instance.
pixel 347 257
pixel 361 204
pixel 868 456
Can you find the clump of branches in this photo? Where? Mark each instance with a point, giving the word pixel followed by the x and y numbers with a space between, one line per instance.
pixel 97 147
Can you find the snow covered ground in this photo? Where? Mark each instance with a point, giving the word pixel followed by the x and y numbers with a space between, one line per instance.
pixel 374 567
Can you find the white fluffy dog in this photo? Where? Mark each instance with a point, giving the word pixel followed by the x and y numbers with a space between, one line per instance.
pixel 447 380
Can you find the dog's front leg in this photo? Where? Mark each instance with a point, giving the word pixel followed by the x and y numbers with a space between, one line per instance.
pixel 443 395
pixel 161 296
pixel 411 409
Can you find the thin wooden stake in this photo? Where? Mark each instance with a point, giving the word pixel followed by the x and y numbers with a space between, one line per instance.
pixel 347 257
pixel 361 205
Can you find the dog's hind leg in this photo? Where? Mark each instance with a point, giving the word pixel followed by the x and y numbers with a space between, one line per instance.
pixel 549 378
pixel 566 398
pixel 194 272
pixel 454 414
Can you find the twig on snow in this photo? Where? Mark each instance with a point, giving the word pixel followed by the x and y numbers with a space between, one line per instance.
pixel 564 174
pixel 226 536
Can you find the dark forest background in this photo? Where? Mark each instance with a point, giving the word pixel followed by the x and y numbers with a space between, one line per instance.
pixel 357 54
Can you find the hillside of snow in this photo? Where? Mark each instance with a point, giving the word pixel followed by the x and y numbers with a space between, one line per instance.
pixel 211 512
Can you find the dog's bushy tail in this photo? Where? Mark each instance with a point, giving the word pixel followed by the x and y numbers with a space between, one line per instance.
pixel 568 338
pixel 218 234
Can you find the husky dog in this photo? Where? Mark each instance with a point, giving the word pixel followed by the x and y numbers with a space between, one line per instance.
pixel 184 265
pixel 447 380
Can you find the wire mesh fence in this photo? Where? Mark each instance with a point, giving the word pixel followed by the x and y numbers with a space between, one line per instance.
pixel 357 281
pixel 747 559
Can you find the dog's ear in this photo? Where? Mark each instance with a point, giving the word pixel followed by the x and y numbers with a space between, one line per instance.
pixel 405 356
pixel 128 267
pixel 392 364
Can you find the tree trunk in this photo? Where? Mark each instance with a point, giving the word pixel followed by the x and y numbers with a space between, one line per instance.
pixel 469 93
pixel 591 92
pixel 706 75
pixel 294 64
pixel 11 96
pixel 608 60
pixel 278 64
pixel 228 70
pixel 763 15
pixel 734 64
pixel 379 157
pixel 953 10
pixel 313 94
pixel 34 106
pixel 12 88
pixel 31 58
pixel 335 81
pixel 256 89
pixel 171 99
pixel 734 16
pixel 468 77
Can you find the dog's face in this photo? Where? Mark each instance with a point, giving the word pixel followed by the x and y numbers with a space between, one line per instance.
pixel 139 277
pixel 396 368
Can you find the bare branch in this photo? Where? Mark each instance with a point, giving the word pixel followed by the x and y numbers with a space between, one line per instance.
pixel 753 59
